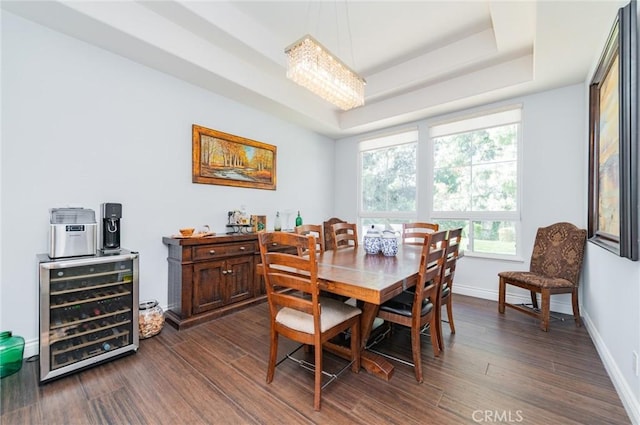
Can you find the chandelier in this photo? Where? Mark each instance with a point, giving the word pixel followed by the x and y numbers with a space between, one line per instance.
pixel 312 66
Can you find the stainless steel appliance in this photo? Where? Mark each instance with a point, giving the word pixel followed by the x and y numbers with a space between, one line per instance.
pixel 110 232
pixel 72 232
pixel 88 311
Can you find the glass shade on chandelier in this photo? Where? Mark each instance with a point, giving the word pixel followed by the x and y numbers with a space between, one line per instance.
pixel 312 66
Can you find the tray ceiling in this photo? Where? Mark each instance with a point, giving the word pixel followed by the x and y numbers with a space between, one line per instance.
pixel 420 58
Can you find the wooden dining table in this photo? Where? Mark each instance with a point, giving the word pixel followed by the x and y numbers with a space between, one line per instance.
pixel 371 280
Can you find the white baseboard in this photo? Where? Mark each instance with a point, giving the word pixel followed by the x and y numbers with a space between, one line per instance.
pixel 630 403
pixel 31 348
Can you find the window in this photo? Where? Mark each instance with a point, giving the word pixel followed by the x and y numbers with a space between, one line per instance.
pixel 387 172
pixel 475 180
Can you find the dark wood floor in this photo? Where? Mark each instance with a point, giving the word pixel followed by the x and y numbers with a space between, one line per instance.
pixel 496 369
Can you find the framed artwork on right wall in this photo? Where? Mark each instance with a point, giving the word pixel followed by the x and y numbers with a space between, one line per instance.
pixel 613 140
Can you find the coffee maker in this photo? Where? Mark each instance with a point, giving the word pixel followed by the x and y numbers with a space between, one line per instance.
pixel 110 235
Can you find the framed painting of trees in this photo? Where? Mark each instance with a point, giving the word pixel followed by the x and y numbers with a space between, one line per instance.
pixel 228 160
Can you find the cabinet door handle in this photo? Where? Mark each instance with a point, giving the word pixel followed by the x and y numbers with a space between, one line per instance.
pixel 229 271
pixel 242 248
pixel 213 251
pixel 224 272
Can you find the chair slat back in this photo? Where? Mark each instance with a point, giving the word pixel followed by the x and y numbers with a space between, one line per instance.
pixel 558 251
pixel 432 259
pixel 315 230
pixel 288 270
pixel 344 235
pixel 414 233
pixel 454 236
pixel 328 231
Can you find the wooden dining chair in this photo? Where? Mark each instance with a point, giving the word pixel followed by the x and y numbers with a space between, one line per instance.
pixel 454 236
pixel 344 235
pixel 315 230
pixel 302 314
pixel 415 309
pixel 413 233
pixel 555 268
pixel 328 231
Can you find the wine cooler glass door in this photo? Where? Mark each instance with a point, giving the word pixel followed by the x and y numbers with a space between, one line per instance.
pixel 88 312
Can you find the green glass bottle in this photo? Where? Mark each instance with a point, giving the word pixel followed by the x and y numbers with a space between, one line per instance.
pixel 11 351
pixel 298 220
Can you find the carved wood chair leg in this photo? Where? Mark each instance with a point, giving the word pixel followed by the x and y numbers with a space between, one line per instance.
pixel 318 373
pixel 437 329
pixel 273 352
pixel 452 325
pixel 546 310
pixel 576 308
pixel 534 299
pixel 501 295
pixel 435 338
pixel 415 349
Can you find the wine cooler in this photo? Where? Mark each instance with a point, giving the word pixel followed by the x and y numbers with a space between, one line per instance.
pixel 88 311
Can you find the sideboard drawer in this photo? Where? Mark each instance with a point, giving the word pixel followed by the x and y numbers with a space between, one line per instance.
pixel 207 252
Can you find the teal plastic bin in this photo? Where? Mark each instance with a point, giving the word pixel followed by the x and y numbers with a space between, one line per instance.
pixel 11 352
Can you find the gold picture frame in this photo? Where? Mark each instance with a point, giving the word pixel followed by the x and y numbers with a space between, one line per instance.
pixel 224 159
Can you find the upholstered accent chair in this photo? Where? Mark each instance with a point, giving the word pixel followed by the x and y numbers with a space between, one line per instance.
pixel 301 314
pixel 555 268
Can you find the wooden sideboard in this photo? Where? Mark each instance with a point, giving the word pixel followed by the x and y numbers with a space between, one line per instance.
pixel 210 277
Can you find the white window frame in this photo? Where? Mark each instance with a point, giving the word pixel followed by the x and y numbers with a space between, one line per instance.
pixel 478 121
pixel 397 138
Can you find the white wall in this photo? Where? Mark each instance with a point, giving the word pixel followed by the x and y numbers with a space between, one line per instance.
pixel 81 126
pixel 554 188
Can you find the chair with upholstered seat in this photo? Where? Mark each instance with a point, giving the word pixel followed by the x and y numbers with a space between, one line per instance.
pixel 454 236
pixel 417 308
pixel 555 268
pixel 301 314
pixel 344 235
pixel 413 233
pixel 315 230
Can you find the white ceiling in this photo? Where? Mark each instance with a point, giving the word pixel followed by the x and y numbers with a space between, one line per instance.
pixel 420 58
